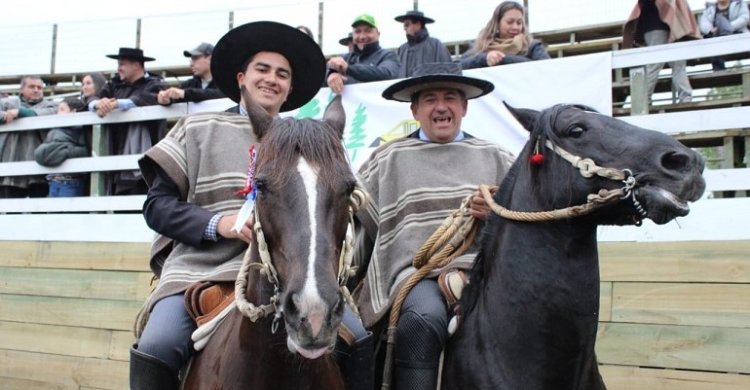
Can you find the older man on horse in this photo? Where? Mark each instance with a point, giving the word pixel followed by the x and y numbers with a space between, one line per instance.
pixel 194 175
pixel 415 183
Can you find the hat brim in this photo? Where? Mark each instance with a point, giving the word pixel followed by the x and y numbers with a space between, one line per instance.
pixel 403 90
pixel 239 44
pixel 424 19
pixel 345 41
pixel 191 53
pixel 134 58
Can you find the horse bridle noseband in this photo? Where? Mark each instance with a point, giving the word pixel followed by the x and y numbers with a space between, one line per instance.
pixel 587 168
pixel 357 200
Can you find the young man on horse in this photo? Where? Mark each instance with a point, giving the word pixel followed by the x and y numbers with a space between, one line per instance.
pixel 415 183
pixel 194 175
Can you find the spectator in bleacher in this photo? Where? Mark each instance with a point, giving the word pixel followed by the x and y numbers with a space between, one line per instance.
pixel 367 61
pixel 724 17
pixel 91 84
pixel 420 47
pixel 62 144
pixel 132 87
pixel 645 26
pixel 199 88
pixel 20 145
pixel 348 42
pixel 504 40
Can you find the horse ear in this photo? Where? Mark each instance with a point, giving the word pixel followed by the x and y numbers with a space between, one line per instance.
pixel 259 118
pixel 335 115
pixel 525 116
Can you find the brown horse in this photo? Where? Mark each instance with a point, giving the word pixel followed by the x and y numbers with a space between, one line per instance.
pixel 304 185
pixel 530 313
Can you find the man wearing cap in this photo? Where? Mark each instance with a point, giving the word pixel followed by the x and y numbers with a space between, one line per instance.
pixel 194 174
pixel 367 61
pixel 132 87
pixel 201 87
pixel 415 182
pixel 420 47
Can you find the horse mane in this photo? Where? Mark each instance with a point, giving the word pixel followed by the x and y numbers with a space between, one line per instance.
pixel 315 141
pixel 544 129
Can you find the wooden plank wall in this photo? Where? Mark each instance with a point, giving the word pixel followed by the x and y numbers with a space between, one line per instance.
pixel 674 315
pixel 66 312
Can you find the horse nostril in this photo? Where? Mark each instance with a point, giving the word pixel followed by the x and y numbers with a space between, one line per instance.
pixel 675 161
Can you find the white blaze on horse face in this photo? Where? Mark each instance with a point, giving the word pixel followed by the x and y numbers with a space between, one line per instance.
pixel 311 305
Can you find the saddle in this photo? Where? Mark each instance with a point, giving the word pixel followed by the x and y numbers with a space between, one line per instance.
pixel 451 283
pixel 205 300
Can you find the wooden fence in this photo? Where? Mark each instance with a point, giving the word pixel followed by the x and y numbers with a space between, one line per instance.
pixel 675 302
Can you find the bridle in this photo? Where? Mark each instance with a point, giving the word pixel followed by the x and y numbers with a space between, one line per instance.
pixel 587 168
pixel 357 200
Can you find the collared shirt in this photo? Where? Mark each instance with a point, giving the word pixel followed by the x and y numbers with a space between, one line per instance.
pixel 423 136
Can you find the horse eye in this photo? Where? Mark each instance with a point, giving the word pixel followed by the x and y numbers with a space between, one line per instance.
pixel 575 131
pixel 260 186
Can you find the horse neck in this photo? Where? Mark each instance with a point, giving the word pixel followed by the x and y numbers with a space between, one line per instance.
pixel 539 300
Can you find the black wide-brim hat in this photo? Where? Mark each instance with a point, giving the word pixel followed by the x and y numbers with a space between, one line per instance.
pixel 415 15
pixel 437 75
pixel 242 42
pixel 130 54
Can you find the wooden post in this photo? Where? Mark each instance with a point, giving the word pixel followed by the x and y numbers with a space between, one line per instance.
pixel 231 20
pixel 639 99
pixel 138 33
pixel 54 49
pixel 99 147
pixel 320 23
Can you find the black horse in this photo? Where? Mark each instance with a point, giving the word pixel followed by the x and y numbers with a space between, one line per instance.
pixel 530 314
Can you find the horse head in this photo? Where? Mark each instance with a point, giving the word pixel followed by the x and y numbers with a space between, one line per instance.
pixel 304 183
pixel 656 174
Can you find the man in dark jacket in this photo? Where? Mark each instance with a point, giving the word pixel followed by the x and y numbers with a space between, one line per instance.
pixel 131 87
pixel 201 87
pixel 367 61
pixel 420 47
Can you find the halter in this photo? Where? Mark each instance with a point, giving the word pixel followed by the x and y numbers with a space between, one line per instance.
pixel 357 200
pixel 587 168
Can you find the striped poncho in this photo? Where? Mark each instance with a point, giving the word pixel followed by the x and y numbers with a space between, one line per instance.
pixel 414 185
pixel 206 156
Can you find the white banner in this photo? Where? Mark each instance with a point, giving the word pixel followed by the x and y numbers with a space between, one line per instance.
pixel 371 120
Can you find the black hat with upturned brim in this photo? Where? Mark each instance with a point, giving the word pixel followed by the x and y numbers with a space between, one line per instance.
pixel 130 54
pixel 437 75
pixel 242 42
pixel 346 40
pixel 414 15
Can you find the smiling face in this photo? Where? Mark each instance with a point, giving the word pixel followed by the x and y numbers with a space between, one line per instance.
pixel 129 70
pixel 88 88
pixel 511 24
pixel 268 79
pixel 439 112
pixel 363 34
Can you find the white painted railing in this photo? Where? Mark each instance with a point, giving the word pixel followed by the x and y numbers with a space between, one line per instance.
pixel 114 218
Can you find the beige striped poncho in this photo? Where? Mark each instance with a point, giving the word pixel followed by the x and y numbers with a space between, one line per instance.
pixel 414 185
pixel 206 155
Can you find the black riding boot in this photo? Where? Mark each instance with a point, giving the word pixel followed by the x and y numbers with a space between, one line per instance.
pixel 358 367
pixel 150 373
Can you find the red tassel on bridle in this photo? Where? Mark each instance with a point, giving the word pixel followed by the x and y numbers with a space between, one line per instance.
pixel 536 158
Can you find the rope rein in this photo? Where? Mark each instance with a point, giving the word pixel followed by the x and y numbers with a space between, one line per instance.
pixel 357 200
pixel 458 231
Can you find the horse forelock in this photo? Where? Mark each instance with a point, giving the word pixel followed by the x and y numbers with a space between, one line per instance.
pixel 315 141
